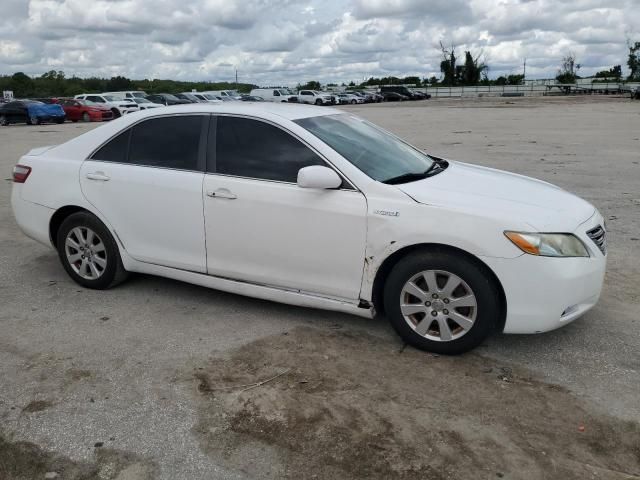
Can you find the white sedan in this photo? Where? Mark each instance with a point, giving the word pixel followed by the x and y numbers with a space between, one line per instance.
pixel 315 207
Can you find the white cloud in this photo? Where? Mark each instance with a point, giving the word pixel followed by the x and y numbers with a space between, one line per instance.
pixel 285 41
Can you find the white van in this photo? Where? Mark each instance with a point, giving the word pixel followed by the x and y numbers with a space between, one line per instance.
pixel 274 94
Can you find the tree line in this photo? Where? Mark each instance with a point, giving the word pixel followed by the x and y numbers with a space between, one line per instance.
pixel 56 83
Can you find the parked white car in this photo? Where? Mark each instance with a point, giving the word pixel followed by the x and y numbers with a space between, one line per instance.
pixel 144 104
pixel 224 94
pixel 204 97
pixel 119 106
pixel 347 98
pixel 274 94
pixel 319 208
pixel 131 94
pixel 313 97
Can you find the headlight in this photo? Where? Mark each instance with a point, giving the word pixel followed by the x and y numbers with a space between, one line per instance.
pixel 548 244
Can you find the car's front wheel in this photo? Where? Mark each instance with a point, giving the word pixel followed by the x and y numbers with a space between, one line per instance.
pixel 4 121
pixel 86 117
pixel 88 252
pixel 441 302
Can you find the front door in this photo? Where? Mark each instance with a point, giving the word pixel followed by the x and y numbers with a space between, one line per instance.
pixel 262 228
pixel 147 183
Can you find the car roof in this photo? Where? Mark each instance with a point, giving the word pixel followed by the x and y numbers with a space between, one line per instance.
pixel 290 111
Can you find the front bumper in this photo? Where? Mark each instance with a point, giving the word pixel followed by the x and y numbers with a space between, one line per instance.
pixel 545 293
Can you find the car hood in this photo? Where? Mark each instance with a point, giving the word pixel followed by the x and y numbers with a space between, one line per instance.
pixel 541 205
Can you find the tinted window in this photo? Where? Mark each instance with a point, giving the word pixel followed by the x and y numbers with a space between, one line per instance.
pixel 115 150
pixel 249 148
pixel 170 142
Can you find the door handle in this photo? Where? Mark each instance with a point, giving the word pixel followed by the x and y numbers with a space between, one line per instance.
pixel 222 193
pixel 100 176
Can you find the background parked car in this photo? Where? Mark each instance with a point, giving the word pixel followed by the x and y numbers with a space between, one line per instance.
pixel 118 106
pixel 188 97
pixel 250 98
pixel 314 97
pixel 30 112
pixel 394 97
pixel 274 94
pixel 224 95
pixel 346 98
pixel 166 99
pixel 145 104
pixel 84 110
pixel 402 90
pixel 131 94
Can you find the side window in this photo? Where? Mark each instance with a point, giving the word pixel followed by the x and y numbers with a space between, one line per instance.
pixel 276 93
pixel 171 142
pixel 115 150
pixel 254 149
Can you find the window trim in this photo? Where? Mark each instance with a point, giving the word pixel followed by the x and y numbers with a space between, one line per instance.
pixel 212 138
pixel 202 145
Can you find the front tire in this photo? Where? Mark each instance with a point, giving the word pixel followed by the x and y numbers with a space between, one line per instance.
pixel 89 253
pixel 116 113
pixel 441 302
pixel 4 121
pixel 86 117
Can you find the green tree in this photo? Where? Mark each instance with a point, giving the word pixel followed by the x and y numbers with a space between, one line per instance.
pixel 448 65
pixel 634 62
pixel 568 72
pixel 22 85
pixel 614 72
pixel 311 85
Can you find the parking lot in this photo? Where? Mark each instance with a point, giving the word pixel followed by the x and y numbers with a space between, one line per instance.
pixel 160 379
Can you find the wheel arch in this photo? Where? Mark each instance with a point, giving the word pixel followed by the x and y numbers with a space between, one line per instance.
pixel 58 217
pixel 377 292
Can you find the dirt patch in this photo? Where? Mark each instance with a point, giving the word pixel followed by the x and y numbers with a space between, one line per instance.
pixel 27 461
pixel 349 405
pixel 37 406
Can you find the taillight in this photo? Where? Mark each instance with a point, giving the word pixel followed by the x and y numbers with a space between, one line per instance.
pixel 20 173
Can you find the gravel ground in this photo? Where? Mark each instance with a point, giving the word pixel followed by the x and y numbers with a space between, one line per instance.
pixel 156 379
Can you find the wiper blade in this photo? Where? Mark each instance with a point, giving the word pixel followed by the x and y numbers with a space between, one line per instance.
pixel 436 167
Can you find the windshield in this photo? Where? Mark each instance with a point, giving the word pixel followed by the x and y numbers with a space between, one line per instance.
pixel 284 92
pixel 377 153
pixel 168 96
pixel 138 94
pixel 110 98
pixel 141 100
pixel 209 97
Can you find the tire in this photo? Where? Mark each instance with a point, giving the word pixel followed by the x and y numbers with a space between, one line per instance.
pixel 474 290
pixel 4 121
pixel 116 113
pixel 318 102
pixel 86 117
pixel 33 121
pixel 353 102
pixel 74 121
pixel 60 121
pixel 104 268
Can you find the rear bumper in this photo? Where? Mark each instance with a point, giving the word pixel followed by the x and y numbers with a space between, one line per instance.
pixel 545 293
pixel 33 219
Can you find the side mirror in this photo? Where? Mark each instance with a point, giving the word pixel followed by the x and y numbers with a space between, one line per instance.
pixel 317 176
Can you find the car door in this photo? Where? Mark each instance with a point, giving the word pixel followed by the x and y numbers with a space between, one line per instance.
pixel 147 183
pixel 71 109
pixel 262 228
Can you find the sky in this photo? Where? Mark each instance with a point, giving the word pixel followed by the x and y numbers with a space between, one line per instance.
pixel 284 42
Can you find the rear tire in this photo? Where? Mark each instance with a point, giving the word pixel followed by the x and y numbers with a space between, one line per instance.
pixel 318 102
pixel 116 113
pixel 4 121
pixel 89 253
pixel 86 117
pixel 420 298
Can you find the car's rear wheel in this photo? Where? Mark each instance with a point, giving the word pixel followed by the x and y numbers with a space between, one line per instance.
pixel 318 102
pixel 89 253
pixel 4 121
pixel 33 120
pixel 353 102
pixel 86 117
pixel 116 113
pixel 441 302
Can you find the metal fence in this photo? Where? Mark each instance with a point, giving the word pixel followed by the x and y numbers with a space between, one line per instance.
pixel 529 90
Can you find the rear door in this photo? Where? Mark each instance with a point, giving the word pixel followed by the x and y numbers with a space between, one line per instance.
pixel 147 183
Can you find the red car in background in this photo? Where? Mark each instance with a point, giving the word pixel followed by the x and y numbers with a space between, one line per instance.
pixel 84 110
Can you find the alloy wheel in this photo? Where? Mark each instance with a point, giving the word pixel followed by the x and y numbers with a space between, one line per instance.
pixel 438 305
pixel 85 253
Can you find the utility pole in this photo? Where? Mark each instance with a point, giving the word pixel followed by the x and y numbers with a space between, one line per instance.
pixel 236 79
pixel 524 73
